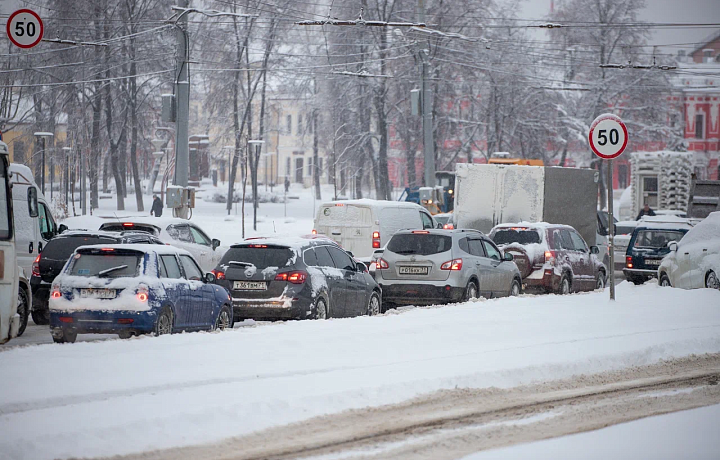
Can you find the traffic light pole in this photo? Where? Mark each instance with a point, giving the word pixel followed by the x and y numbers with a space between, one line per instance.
pixel 182 90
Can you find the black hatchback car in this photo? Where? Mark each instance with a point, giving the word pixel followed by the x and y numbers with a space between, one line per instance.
pixel 296 278
pixel 647 247
pixel 50 262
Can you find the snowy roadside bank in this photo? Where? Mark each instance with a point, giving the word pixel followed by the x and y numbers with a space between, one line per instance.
pixel 114 397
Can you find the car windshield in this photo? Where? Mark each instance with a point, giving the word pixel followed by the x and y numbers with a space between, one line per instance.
pixel 62 248
pixel 512 235
pixel 259 255
pixel 656 238
pixel 423 244
pixel 106 265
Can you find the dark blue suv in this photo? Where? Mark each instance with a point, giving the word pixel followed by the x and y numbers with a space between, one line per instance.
pixel 132 289
pixel 647 247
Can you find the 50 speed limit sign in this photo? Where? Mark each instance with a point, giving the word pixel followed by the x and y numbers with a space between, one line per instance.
pixel 25 28
pixel 608 136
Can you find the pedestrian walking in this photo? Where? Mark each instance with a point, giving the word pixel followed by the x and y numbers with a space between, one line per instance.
pixel 157 207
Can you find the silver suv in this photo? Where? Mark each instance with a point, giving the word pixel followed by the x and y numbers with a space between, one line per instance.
pixel 425 267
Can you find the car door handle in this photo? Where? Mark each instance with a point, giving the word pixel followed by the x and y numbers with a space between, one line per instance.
pixel 687 253
pixel 30 248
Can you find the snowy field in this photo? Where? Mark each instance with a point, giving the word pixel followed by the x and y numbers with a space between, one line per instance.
pixel 124 396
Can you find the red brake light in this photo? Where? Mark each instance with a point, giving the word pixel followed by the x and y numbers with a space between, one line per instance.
pixel 297 277
pixel 376 235
pixel 422 232
pixel 448 227
pixel 128 224
pixel 314 232
pixel 107 249
pixel 36 266
pixel 455 264
pixel 549 257
pixel 219 275
pixel 56 294
pixel 66 319
pixel 628 262
pixel 142 296
pixel 339 204
pixel 257 246
pixel 381 264
pixel 376 240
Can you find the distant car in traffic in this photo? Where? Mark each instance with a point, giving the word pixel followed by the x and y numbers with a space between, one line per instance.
pixel 296 278
pixel 132 289
pixel 647 246
pixel 694 261
pixel 178 232
pixel 361 226
pixel 551 257
pixel 444 220
pixel 623 232
pixel 50 262
pixel 424 267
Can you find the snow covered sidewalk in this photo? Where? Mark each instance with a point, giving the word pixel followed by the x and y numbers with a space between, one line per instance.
pixel 114 397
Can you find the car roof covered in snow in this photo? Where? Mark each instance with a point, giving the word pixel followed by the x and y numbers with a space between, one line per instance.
pixel 706 231
pixel 146 248
pixel 663 226
pixel 373 203
pixel 664 219
pixel 293 242
pixel 533 225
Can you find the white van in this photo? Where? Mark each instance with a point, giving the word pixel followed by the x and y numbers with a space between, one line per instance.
pixel 9 319
pixel 34 223
pixel 362 226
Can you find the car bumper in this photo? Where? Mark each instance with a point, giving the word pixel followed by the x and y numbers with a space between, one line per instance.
pixel 421 294
pixel 640 272
pixel 103 322
pixel 272 309
pixel 542 280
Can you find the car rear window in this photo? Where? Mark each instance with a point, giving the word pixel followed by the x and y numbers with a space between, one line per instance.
pixel 62 248
pixel 260 256
pixel 656 238
pixel 106 265
pixel 423 244
pixel 521 236
pixel 623 230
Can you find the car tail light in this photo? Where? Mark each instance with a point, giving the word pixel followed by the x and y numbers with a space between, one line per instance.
pixel 66 319
pixel 628 262
pixel 142 293
pixel 107 249
pixel 56 294
pixel 125 320
pixel 448 227
pixel 297 277
pixel 314 232
pixel 36 266
pixel 455 264
pixel 219 275
pixel 421 232
pixel 376 240
pixel 128 224
pixel 257 246
pixel 549 257
pixel 381 264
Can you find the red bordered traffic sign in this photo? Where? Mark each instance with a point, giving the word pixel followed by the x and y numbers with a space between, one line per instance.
pixel 25 28
pixel 608 136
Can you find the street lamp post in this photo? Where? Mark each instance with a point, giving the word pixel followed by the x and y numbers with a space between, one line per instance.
pixel 254 172
pixel 67 151
pixel 42 136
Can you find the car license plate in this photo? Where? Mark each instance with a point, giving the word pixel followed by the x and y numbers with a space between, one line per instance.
pixel 98 293
pixel 652 261
pixel 413 270
pixel 250 285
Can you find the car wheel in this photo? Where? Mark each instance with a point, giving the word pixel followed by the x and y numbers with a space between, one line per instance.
pixel 564 287
pixel 515 288
pixel 321 310
pixel 600 281
pixel 40 317
pixel 164 323
pixel 23 309
pixel 711 281
pixel 665 280
pixel 471 291
pixel 66 337
pixel 374 305
pixel 125 334
pixel 224 319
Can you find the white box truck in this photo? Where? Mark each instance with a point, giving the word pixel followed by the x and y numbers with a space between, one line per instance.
pixel 9 274
pixel 488 194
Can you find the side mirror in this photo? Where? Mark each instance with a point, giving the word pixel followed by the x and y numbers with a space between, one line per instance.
pixel 673 246
pixel 594 250
pixel 32 202
pixel 215 243
pixel 360 267
pixel 209 277
pixel 62 228
pixel 350 254
pixel 439 225
pixel 508 257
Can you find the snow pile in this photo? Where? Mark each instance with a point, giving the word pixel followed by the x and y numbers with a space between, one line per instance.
pixel 123 396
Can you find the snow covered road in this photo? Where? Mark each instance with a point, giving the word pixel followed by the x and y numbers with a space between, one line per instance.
pixel 118 397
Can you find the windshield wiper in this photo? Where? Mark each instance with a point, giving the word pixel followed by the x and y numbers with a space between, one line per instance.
pixel 110 270
pixel 242 264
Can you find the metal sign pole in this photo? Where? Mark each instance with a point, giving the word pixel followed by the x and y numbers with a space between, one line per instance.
pixel 611 229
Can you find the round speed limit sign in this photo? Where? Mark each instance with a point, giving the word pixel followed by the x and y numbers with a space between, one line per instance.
pixel 608 136
pixel 25 28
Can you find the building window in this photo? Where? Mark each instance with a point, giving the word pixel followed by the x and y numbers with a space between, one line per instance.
pixel 707 54
pixel 288 124
pixel 298 169
pixel 299 124
pixel 700 126
pixel 309 128
pixel 287 167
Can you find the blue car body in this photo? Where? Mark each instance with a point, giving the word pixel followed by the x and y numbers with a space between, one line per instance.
pixel 130 303
pixel 647 247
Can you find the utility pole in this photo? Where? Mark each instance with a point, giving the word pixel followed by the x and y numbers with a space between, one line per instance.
pixel 182 90
pixel 426 107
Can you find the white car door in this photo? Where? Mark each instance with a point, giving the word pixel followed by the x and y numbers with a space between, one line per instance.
pixel 682 274
pixel 207 259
